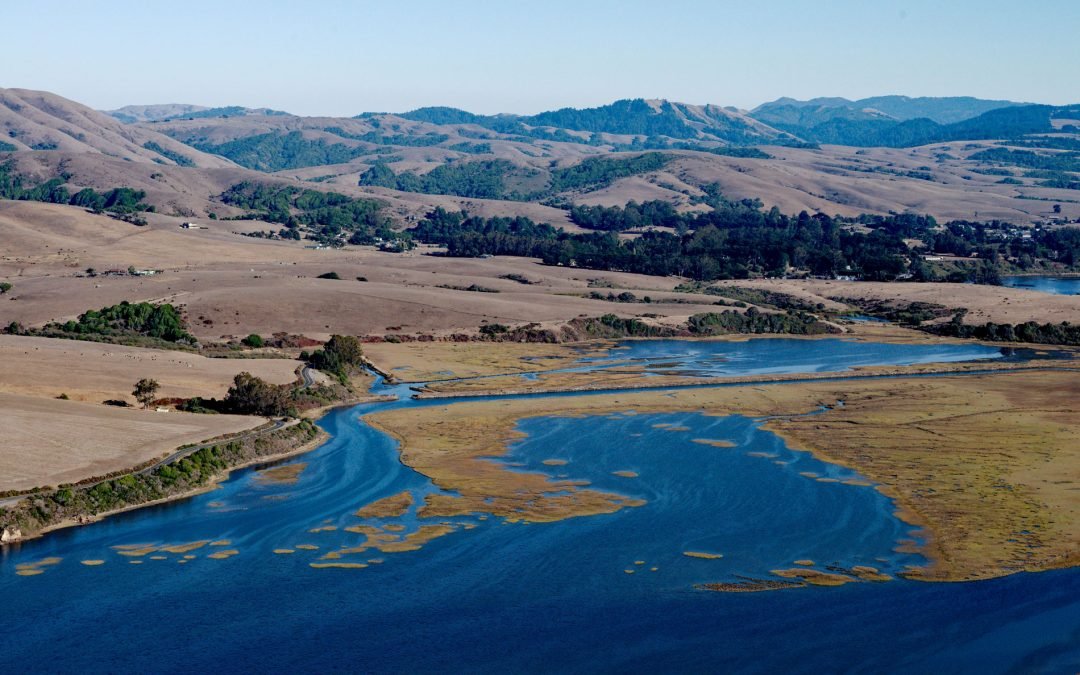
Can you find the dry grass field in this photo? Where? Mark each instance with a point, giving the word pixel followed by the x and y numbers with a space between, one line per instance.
pixel 94 372
pixel 49 442
pixel 433 361
pixel 232 285
pixel 235 285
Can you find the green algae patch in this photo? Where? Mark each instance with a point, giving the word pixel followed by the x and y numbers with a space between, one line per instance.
pixel 288 474
pixel 714 442
pixel 555 462
pixel 134 550
pixel 414 541
pixel 338 565
pixel 703 555
pixel 33 569
pixel 185 548
pixel 222 555
pixel 393 506
pixel 307 547
pixel 805 563
pixel 815 577
pixel 323 528
pixel 92 563
pixel 221 542
pixel 676 427
pixel 751 585
pixel 625 474
pixel 283 551
pixel 159 557
pixel 44 562
pixel 867 573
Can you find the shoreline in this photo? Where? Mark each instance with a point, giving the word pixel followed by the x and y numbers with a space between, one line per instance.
pixel 942 531
pixel 887 333
pixel 215 482
pixel 925 370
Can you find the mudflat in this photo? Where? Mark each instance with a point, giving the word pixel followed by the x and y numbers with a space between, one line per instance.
pixel 987 465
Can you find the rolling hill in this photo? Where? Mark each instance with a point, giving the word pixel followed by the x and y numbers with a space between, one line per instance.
pixel 542 164
pixel 130 114
pixel 898 121
pixel 940 109
pixel 41 121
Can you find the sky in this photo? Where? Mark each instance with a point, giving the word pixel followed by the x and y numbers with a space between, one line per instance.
pixel 340 58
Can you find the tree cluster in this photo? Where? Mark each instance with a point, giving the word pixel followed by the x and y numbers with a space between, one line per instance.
pixel 329 216
pixel 340 356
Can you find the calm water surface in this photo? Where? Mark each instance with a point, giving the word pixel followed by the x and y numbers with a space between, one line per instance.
pixel 511 597
pixel 1047 284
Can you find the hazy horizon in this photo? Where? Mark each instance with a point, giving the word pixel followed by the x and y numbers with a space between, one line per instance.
pixel 341 58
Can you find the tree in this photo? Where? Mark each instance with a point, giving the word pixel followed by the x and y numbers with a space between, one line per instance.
pixel 251 395
pixel 145 390
pixel 340 355
pixel 1057 208
pixel 254 340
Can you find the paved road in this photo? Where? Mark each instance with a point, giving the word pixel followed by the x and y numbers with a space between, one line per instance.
pixel 184 452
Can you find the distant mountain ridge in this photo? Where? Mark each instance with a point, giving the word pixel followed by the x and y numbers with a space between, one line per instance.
pixel 132 114
pixel 940 109
pixel 870 127
pixel 886 121
pixel 634 117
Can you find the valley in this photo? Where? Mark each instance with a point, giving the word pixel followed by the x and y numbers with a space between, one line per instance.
pixel 641 369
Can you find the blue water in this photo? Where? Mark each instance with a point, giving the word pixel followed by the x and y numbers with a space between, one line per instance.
pixel 1045 284
pixel 768 356
pixel 514 597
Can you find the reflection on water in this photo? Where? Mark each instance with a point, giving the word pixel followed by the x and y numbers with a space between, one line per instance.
pixel 278 575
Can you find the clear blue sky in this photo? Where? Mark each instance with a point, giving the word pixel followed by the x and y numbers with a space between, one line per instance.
pixel 335 57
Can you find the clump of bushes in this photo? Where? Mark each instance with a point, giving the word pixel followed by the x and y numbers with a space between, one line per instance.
pixel 340 356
